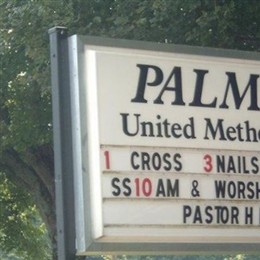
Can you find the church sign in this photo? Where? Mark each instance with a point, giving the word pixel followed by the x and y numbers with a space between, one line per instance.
pixel 167 142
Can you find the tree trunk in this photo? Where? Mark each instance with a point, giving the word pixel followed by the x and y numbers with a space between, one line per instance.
pixel 33 170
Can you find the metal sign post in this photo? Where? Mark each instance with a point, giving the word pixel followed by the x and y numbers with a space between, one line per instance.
pixel 62 144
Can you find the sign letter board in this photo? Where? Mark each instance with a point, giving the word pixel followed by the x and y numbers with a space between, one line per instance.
pixel 166 140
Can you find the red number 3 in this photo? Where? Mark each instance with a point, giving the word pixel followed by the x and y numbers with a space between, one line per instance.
pixel 208 161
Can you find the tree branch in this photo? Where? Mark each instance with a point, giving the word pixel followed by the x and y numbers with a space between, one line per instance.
pixel 40 187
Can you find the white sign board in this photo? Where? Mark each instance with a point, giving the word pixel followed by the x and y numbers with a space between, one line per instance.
pixel 167 145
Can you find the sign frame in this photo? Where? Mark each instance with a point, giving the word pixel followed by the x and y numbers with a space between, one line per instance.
pixel 88 220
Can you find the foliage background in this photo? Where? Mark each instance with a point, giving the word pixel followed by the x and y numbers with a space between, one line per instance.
pixel 26 164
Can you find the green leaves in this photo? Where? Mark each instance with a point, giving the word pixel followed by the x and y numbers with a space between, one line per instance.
pixel 25 78
pixel 21 230
pixel 29 113
pixel 25 91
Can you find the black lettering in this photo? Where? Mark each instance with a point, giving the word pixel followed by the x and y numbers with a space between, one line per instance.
pixel 254 162
pixel 241 188
pixel 230 131
pixel 234 215
pixel 189 129
pixel 251 192
pixel 257 190
pixel 166 126
pixel 160 191
pixel 245 170
pixel 186 213
pixel 125 124
pixel 176 159
pixel 156 161
pixel 159 127
pixel 167 164
pixel 218 211
pixel 231 165
pixel 209 216
pixel 197 215
pixel 224 215
pixel 133 163
pixel 220 161
pixel 239 133
pixel 220 189
pixel 198 90
pixel 147 129
pixel 231 189
pixel 176 73
pixel 210 130
pixel 114 183
pixel 146 161
pixel 143 81
pixel 175 129
pixel 239 164
pixel 128 190
pixel 233 86
pixel 251 133
pixel 249 215
pixel 173 188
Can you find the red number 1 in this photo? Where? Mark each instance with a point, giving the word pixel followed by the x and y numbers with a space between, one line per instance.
pixel 106 153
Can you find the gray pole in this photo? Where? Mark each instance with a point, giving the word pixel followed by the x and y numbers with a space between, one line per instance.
pixel 63 158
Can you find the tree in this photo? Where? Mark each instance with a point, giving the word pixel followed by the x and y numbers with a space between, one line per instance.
pixel 20 225
pixel 25 100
